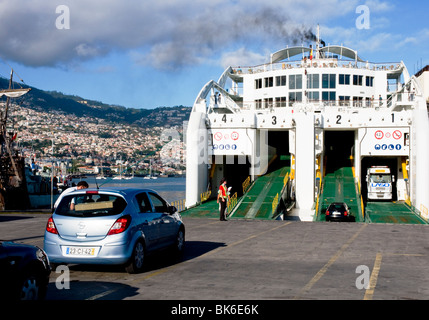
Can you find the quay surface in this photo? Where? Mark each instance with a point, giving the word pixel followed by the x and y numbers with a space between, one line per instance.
pixel 257 260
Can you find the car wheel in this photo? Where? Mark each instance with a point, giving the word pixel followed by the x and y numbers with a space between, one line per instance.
pixel 179 245
pixel 136 262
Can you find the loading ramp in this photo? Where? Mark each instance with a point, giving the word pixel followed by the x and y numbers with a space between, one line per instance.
pixel 392 212
pixel 339 185
pixel 207 209
pixel 256 203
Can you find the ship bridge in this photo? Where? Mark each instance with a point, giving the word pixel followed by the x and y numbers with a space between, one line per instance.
pixel 322 117
pixel 288 53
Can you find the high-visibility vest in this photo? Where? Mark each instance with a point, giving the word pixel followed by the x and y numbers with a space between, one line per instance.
pixel 222 191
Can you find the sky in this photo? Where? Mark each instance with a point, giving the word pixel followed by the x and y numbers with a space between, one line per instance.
pixel 147 54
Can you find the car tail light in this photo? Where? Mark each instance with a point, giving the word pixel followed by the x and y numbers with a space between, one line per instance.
pixel 345 213
pixel 120 225
pixel 50 226
pixel 327 213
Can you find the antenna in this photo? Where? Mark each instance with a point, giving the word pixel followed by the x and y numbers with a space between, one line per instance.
pixel 318 35
pixel 317 41
pixel 96 183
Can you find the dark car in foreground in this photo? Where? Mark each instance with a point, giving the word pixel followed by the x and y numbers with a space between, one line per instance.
pixel 338 211
pixel 24 272
pixel 114 226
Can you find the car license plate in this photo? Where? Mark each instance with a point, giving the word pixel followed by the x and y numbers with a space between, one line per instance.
pixel 80 251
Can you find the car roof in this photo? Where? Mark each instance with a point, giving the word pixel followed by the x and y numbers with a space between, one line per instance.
pixel 18 246
pixel 124 191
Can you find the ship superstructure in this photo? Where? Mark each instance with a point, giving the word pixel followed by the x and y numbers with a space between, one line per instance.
pixel 314 110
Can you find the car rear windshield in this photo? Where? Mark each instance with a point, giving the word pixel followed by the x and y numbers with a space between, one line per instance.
pixel 90 205
pixel 336 207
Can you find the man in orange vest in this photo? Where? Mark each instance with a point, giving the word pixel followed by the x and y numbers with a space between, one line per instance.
pixel 222 198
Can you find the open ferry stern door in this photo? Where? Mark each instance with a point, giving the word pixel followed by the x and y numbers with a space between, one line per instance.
pixel 384 171
pixel 339 149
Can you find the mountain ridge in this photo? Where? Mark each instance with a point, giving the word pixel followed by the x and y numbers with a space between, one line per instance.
pixel 41 100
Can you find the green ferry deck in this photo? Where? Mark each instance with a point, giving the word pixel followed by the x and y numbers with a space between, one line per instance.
pixel 268 197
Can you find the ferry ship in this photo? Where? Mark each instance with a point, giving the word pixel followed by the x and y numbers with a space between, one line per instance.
pixel 304 130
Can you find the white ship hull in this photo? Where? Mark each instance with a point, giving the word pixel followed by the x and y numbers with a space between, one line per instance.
pixel 240 124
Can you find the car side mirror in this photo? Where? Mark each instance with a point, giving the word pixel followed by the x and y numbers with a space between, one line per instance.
pixel 172 209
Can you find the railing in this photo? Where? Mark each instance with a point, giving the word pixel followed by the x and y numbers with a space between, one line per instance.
pixel 179 204
pixel 276 199
pixel 275 204
pixel 406 93
pixel 232 202
pixel 246 185
pixel 362 207
pixel 286 179
pixel 320 104
pixel 318 63
pixel 205 196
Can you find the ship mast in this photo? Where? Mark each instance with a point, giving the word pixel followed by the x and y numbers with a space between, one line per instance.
pixel 317 41
pixel 7 102
pixel 4 137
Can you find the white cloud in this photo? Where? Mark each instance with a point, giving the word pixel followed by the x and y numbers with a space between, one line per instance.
pixel 242 57
pixel 165 34
pixel 84 50
pixel 379 6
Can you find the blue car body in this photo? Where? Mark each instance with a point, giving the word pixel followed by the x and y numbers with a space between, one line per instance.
pixel 112 226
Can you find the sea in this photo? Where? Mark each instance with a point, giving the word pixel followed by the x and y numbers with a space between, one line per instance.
pixel 171 189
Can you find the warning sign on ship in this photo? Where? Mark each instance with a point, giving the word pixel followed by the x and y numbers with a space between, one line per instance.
pixel 379 134
pixel 397 134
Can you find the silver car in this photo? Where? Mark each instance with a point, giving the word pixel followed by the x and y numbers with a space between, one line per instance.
pixel 116 226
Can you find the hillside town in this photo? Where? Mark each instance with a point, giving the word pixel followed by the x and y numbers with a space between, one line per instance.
pixel 90 145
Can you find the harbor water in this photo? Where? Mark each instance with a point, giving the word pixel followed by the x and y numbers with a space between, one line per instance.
pixel 171 189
